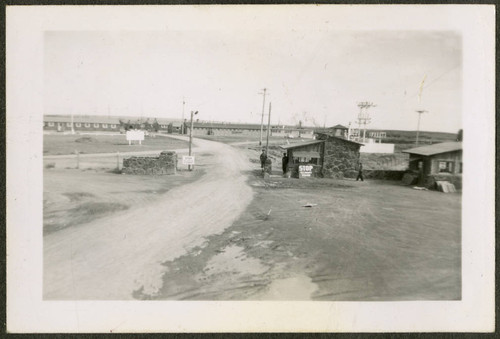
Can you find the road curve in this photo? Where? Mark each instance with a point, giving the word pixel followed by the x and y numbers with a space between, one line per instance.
pixel 112 257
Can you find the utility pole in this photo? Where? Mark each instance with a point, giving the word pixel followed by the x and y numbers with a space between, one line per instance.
pixel 262 119
pixel 72 123
pixel 191 135
pixel 268 127
pixel 418 124
pixel 182 126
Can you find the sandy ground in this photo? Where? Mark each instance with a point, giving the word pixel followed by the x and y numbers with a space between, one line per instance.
pixel 121 255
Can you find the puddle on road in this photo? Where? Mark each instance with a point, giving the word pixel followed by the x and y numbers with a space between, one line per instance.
pixel 299 287
pixel 233 259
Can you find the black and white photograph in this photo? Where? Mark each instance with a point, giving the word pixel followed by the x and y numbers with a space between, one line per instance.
pixel 289 168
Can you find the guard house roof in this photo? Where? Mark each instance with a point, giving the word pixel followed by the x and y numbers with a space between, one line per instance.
pixel 443 147
pixel 338 127
pixel 307 143
pixel 335 137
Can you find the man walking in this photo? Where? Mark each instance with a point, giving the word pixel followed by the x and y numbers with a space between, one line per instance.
pixel 284 162
pixel 263 158
pixel 360 172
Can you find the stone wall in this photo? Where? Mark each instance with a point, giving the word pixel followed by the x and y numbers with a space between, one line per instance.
pixel 383 174
pixel 341 157
pixel 166 163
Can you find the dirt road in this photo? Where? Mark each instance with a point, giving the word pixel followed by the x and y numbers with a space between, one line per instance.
pixel 110 258
pixel 361 241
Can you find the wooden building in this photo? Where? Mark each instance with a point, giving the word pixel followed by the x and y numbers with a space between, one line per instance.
pixel 96 123
pixel 227 128
pixel 339 131
pixel 434 159
pixel 64 123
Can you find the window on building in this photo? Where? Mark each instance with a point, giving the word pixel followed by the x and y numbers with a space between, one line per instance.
pixel 68 124
pixel 113 125
pixel 77 124
pixel 446 167
pixel 87 125
pixel 51 124
pixel 104 125
pixel 306 160
pixel 460 168
pixel 96 125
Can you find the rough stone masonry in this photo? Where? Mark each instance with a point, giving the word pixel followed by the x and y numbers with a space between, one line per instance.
pixel 166 163
pixel 341 157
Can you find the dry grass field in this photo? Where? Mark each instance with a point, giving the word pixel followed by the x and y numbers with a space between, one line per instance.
pixel 74 197
pixel 61 144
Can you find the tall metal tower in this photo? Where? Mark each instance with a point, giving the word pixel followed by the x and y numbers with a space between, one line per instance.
pixel 418 124
pixel 363 118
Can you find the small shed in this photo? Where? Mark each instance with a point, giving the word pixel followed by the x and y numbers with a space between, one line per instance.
pixel 339 131
pixel 439 158
pixel 438 162
pixel 175 128
pixel 328 156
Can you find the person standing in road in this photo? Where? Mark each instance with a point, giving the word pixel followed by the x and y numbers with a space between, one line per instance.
pixel 360 172
pixel 284 162
pixel 263 158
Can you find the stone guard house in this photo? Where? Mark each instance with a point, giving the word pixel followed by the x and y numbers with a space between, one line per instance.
pixel 329 156
pixel 441 161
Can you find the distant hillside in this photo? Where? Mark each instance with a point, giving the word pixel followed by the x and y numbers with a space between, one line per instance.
pixel 408 137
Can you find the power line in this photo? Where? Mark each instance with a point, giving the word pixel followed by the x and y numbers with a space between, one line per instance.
pixel 432 82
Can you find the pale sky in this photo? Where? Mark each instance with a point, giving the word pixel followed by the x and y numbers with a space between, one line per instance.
pixel 317 76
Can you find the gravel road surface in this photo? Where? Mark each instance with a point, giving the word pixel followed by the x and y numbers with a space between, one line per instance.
pixel 113 257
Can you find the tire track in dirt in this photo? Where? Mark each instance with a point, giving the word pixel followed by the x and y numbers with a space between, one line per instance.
pixel 117 255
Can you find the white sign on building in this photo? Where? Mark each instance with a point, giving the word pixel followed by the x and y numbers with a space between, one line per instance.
pixel 188 159
pixel 378 135
pixel 305 171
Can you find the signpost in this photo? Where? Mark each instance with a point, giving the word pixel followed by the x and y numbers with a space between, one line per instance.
pixel 135 136
pixel 188 160
pixel 191 136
